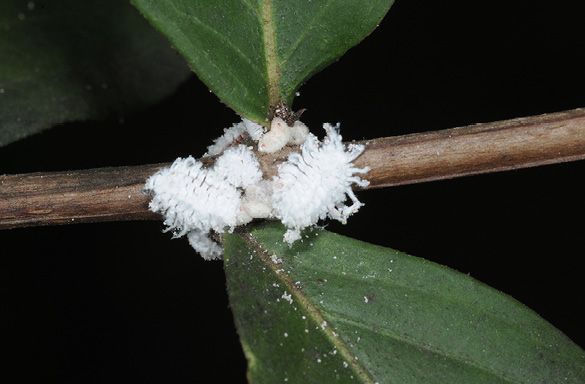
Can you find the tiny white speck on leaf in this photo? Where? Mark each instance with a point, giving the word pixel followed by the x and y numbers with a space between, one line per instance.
pixel 288 297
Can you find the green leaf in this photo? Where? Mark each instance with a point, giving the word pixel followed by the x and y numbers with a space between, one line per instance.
pixel 255 53
pixel 73 60
pixel 363 313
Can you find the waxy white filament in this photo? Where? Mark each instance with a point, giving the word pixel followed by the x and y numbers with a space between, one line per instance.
pixel 311 185
pixel 314 184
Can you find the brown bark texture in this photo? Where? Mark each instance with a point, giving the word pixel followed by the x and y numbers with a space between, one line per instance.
pixel 114 194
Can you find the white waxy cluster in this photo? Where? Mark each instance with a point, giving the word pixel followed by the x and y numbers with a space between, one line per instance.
pixel 281 134
pixel 314 184
pixel 196 200
pixel 311 185
pixel 234 134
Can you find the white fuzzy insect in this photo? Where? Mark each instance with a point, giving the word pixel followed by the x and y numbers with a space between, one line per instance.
pixel 238 166
pixel 234 134
pixel 196 200
pixel 314 184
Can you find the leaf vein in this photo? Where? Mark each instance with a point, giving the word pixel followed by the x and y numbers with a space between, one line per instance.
pixel 417 344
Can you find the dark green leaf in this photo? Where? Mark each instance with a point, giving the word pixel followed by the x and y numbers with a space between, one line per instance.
pixel 73 60
pixel 256 53
pixel 363 313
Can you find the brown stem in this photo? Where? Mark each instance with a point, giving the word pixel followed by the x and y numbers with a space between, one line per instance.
pixel 102 194
pixel 112 194
pixel 482 148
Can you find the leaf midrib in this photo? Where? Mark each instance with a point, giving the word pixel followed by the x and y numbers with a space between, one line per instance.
pixel 310 306
pixel 273 73
pixel 321 313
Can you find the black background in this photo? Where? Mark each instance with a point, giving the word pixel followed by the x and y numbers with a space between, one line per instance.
pixel 121 302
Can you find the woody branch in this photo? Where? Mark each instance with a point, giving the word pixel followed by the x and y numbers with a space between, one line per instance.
pixel 114 194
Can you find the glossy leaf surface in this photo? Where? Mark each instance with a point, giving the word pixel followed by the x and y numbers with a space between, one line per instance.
pixel 333 309
pixel 254 53
pixel 76 60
